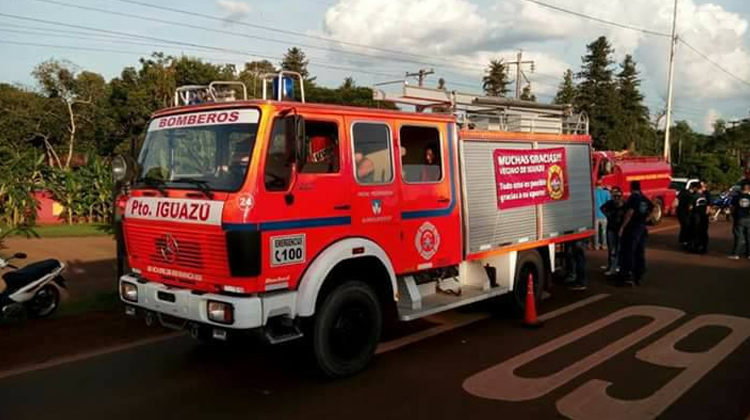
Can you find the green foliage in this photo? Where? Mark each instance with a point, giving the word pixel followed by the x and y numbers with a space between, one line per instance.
pixel 495 81
pixel 597 91
pixel 85 192
pixel 20 176
pixel 296 60
pixel 566 93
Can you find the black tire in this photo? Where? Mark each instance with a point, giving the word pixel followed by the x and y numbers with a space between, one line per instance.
pixel 658 214
pixel 45 302
pixel 529 262
pixel 346 329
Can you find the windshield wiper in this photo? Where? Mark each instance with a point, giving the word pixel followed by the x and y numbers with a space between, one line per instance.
pixel 157 183
pixel 201 184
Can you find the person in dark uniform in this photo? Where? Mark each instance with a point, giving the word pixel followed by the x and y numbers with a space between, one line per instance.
pixel 699 220
pixel 741 217
pixel 614 210
pixel 633 235
pixel 684 200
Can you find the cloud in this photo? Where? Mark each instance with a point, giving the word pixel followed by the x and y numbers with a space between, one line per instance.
pixel 708 122
pixel 233 10
pixel 455 31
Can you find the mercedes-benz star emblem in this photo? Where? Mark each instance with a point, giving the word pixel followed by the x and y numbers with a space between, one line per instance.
pixel 169 249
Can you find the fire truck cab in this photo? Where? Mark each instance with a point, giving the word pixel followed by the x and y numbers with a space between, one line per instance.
pixel 291 218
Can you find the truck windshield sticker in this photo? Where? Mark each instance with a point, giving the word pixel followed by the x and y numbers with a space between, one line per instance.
pixel 530 177
pixel 286 250
pixel 178 210
pixel 230 116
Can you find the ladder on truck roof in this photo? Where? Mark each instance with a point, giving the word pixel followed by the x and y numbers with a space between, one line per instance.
pixel 488 113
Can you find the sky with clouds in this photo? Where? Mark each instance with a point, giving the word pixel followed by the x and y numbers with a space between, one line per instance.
pixel 376 40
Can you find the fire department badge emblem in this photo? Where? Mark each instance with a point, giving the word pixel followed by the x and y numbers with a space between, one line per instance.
pixel 377 207
pixel 427 240
pixel 555 182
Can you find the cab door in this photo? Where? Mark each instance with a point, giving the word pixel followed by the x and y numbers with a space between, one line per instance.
pixel 430 222
pixel 375 194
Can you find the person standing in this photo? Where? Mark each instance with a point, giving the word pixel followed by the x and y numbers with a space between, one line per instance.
pixel 601 196
pixel 633 234
pixel 614 210
pixel 741 217
pixel 684 200
pixel 699 220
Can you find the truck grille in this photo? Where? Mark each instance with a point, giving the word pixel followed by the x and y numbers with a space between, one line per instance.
pixel 195 251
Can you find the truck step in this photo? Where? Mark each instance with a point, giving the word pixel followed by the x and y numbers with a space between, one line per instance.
pixel 440 302
pixel 282 332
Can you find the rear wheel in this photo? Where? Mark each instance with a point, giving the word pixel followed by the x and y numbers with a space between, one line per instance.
pixel 529 263
pixel 346 329
pixel 658 214
pixel 45 302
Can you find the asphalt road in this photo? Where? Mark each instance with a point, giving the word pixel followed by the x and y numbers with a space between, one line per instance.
pixel 491 368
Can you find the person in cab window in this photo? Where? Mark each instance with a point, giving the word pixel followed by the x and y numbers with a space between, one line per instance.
pixel 741 217
pixel 322 156
pixel 365 168
pixel 431 165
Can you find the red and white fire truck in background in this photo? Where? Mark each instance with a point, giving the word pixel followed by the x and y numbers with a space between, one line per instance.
pixel 296 219
pixel 619 169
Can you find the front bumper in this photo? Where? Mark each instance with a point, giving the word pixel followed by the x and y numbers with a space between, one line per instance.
pixel 249 311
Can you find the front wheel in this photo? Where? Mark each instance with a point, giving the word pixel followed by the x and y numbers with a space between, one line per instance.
pixel 45 302
pixel 346 329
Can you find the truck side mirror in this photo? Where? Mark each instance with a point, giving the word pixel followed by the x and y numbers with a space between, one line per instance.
pixel 294 130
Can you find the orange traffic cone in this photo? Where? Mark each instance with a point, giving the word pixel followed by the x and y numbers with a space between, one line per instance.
pixel 530 319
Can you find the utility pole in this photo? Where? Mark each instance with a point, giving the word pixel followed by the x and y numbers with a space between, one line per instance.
pixel 421 74
pixel 673 41
pixel 519 70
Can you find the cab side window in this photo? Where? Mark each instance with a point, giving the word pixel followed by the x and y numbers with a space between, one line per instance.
pixel 279 159
pixel 372 153
pixel 322 142
pixel 421 156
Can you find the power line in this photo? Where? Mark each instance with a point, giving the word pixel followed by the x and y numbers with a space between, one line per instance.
pixel 717 65
pixel 597 19
pixel 465 66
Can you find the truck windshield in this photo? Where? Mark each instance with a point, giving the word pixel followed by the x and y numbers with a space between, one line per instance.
pixel 210 150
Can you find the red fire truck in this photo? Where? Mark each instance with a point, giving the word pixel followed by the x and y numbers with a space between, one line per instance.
pixel 618 169
pixel 291 218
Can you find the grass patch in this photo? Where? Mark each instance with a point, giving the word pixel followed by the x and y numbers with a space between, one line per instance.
pixel 62 231
pixel 101 302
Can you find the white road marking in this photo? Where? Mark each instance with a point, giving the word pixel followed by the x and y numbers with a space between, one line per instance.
pixel 464 321
pixel 591 402
pixel 501 383
pixel 88 355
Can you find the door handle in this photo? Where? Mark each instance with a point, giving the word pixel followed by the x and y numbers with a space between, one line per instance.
pixel 342 207
pixel 444 200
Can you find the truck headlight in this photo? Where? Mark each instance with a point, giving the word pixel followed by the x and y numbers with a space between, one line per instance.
pixel 129 291
pixel 220 312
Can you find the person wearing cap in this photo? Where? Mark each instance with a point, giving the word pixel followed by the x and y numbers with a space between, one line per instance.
pixel 741 217
pixel 633 234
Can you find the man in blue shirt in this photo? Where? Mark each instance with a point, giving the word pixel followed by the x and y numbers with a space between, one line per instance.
pixel 601 196
pixel 633 234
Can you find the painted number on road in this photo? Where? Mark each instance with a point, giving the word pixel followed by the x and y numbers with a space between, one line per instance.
pixel 591 401
pixel 287 250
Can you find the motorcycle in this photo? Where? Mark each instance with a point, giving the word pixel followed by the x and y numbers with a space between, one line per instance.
pixel 32 291
pixel 722 205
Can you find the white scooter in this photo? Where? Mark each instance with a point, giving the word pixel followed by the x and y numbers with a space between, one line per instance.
pixel 32 291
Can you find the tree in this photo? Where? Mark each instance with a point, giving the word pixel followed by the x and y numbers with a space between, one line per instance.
pixel 632 128
pixel 527 95
pixel 495 81
pixel 252 76
pixel 296 60
pixel 566 93
pixel 58 81
pixel 597 94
